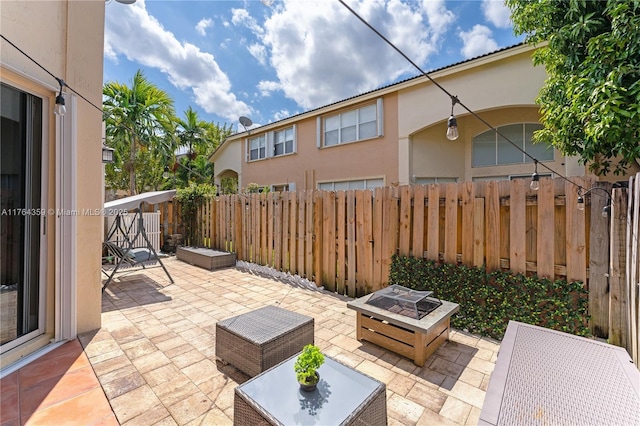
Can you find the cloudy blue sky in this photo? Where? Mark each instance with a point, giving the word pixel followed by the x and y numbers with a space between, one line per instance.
pixel 270 59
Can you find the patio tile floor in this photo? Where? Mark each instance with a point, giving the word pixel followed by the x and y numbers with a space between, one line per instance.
pixel 155 353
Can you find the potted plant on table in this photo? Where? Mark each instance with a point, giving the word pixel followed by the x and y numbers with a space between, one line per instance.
pixel 306 366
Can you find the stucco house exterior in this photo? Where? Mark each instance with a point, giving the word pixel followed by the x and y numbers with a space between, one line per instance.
pixel 51 175
pixel 397 134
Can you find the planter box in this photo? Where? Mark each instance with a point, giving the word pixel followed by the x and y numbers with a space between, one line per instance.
pixel 206 258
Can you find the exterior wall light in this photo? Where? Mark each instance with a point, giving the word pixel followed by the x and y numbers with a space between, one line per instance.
pixel 107 154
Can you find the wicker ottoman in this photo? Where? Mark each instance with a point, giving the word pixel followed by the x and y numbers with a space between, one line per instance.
pixel 258 340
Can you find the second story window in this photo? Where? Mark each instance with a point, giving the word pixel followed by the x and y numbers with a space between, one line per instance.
pixel 283 142
pixel 271 144
pixel 351 126
pixel 257 148
pixel 491 149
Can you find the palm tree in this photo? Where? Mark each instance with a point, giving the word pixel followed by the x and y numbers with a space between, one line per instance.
pixel 136 117
pixel 192 133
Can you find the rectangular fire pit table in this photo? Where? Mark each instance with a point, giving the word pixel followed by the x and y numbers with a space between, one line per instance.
pixel 344 396
pixel 413 338
pixel 256 341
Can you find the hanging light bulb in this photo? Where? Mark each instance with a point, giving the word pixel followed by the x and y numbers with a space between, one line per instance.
pixel 59 108
pixel 535 179
pixel 166 174
pixel 580 201
pixel 605 210
pixel 452 123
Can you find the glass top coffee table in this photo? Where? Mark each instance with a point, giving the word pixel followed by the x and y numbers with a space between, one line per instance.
pixel 343 396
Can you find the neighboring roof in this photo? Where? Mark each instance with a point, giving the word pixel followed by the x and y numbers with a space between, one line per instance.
pixel 397 83
pixel 113 208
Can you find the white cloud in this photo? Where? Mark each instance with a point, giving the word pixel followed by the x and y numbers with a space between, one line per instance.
pixel 267 87
pixel 477 41
pixel 132 32
pixel 241 17
pixel 497 13
pixel 202 26
pixel 282 114
pixel 259 52
pixel 322 53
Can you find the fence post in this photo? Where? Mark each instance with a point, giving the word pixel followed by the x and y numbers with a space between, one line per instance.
pixel 599 273
pixel 619 306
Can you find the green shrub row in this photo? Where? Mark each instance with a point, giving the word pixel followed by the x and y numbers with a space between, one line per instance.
pixel 489 300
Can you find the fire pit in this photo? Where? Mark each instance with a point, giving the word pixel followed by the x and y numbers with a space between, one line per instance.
pixel 408 322
pixel 404 301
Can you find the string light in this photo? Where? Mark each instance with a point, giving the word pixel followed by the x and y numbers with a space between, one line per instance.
pixel 59 108
pixel 452 123
pixel 535 178
pixel 439 86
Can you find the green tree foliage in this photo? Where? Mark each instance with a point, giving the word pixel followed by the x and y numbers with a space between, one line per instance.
pixel 137 118
pixel 200 138
pixel 190 198
pixel 590 103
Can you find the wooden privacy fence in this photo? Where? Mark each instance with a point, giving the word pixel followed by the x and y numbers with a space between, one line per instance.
pixel 344 240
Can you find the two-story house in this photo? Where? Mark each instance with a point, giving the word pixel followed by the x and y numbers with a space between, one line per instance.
pixel 397 134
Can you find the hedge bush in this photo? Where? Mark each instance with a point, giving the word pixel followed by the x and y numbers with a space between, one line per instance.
pixel 489 300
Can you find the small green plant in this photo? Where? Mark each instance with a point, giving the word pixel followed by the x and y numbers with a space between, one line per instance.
pixel 307 363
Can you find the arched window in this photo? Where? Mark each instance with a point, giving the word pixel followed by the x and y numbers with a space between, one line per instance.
pixel 491 149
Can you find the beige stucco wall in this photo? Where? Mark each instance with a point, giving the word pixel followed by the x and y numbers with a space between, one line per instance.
pixel 433 155
pixel 366 159
pixel 501 87
pixel 67 39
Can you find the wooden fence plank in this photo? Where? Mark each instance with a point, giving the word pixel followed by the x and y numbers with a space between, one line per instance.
pixel 293 233
pixel 389 232
pixel 368 240
pixel 619 305
pixel 478 232
pixel 318 245
pixel 341 256
pixel 277 231
pixel 351 243
pixel 418 221
pixel 451 223
pixel 467 197
pixel 576 244
pixel 546 229
pixel 360 243
pixel 329 238
pixel 517 226
pixel 492 230
pixel 309 229
pixel 405 220
pixel 633 268
pixel 599 274
pixel 301 232
pixel 433 223
pixel 378 224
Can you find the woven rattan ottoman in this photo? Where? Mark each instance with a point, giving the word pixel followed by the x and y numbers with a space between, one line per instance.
pixel 256 341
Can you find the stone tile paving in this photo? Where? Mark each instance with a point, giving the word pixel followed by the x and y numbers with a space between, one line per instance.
pixel 155 353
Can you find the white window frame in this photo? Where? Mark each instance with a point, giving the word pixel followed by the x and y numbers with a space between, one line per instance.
pixel 499 141
pixel 343 124
pixel 261 149
pixel 370 183
pixel 284 143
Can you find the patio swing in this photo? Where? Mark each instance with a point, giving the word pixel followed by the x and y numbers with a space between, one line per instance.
pixel 119 253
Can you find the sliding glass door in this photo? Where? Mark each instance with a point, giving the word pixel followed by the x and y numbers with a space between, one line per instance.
pixel 21 220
